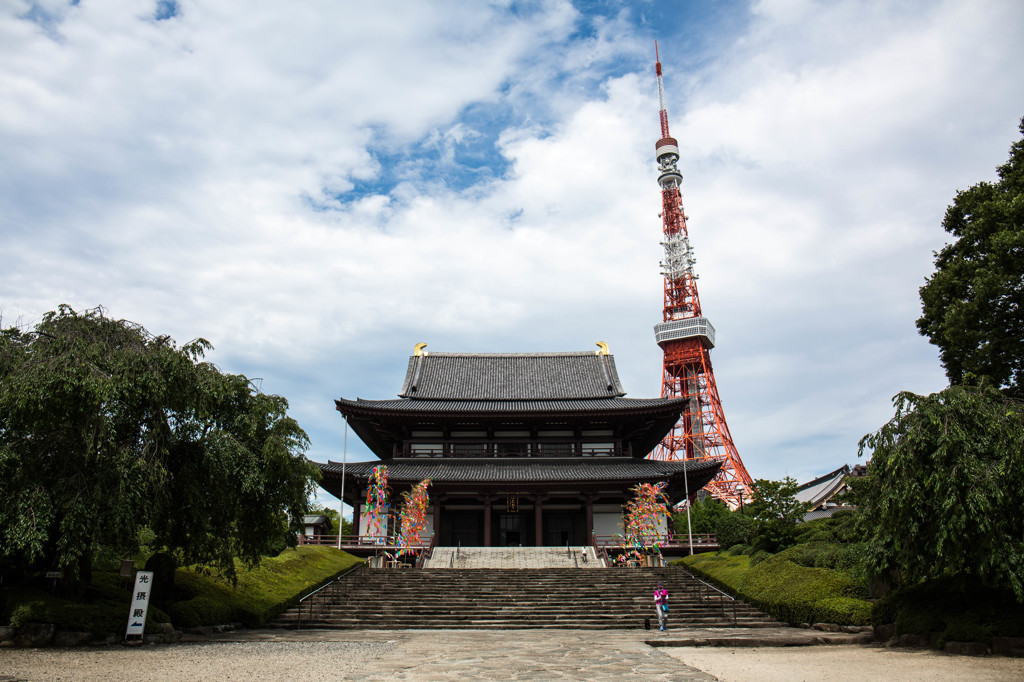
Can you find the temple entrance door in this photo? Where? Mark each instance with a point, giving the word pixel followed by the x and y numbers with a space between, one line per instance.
pixel 561 528
pixel 511 530
pixel 462 527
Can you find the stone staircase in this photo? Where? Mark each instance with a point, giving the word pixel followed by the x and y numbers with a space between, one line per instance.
pixel 510 598
pixel 513 557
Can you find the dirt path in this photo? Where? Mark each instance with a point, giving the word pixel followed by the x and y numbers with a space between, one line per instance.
pixel 844 663
pixel 495 655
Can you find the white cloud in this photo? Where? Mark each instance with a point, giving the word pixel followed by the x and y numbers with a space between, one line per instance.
pixel 273 177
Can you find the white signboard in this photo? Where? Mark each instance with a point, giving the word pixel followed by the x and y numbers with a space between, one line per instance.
pixel 140 603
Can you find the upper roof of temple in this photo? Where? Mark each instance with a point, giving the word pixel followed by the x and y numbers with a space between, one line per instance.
pixel 512 376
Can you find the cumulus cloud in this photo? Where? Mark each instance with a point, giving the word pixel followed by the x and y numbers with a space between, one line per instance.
pixel 316 188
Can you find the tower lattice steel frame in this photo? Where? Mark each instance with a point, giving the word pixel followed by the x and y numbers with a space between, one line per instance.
pixel 687 337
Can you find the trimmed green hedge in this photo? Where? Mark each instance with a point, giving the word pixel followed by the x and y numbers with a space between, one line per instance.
pixel 260 594
pixel 959 610
pixel 786 590
pixel 102 610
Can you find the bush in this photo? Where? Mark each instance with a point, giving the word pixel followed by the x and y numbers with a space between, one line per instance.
pixel 791 592
pixel 96 616
pixel 967 629
pixel 921 605
pixel 736 529
pixel 959 609
pixel 737 550
pixel 845 610
pixel 201 610
pixel 260 594
pixel 787 591
pixel 759 556
pixel 920 621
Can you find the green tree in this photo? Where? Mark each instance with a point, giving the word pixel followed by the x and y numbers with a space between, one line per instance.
pixel 945 489
pixel 776 512
pixel 106 429
pixel 736 528
pixel 973 305
pixel 705 516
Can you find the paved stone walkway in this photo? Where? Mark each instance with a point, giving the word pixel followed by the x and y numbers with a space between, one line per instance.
pixel 504 655
pixel 363 655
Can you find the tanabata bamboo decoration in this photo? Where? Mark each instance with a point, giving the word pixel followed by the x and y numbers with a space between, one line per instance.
pixel 413 517
pixel 377 502
pixel 643 513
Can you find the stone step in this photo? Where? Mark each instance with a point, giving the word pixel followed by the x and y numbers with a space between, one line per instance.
pixel 514 598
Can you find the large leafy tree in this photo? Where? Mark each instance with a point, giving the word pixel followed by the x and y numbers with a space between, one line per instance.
pixel 945 489
pixel 106 429
pixel 973 305
pixel 776 512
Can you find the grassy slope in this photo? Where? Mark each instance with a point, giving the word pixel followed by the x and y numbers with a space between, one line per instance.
pixel 787 591
pixel 261 593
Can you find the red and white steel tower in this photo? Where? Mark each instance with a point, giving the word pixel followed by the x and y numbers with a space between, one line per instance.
pixel 687 337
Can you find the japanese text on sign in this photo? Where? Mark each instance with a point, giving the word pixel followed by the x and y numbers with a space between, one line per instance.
pixel 140 602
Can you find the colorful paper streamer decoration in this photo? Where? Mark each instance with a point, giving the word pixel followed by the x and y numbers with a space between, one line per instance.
pixel 377 502
pixel 413 517
pixel 643 512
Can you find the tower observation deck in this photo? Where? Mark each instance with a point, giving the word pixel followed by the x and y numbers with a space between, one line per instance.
pixel 686 338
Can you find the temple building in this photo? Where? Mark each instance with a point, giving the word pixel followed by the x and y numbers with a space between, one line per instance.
pixel 824 495
pixel 522 448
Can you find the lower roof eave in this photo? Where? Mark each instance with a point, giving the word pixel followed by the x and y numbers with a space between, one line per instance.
pixel 493 475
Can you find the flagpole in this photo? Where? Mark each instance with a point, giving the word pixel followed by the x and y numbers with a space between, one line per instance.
pixel 344 462
pixel 686 479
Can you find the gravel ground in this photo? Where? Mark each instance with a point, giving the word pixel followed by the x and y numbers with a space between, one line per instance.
pixel 478 655
pixel 217 661
pixel 828 663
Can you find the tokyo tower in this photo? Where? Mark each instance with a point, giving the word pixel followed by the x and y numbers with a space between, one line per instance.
pixel 686 337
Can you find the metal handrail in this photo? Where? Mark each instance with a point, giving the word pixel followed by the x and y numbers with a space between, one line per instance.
pixel 428 553
pixel 667 540
pixel 721 594
pixel 480 450
pixel 352 540
pixel 298 624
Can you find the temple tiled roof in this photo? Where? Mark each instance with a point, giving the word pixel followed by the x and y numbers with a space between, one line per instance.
pixel 564 470
pixel 616 404
pixel 825 512
pixel 821 489
pixel 511 376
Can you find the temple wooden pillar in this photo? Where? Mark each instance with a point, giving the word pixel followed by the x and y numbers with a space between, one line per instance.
pixel 437 517
pixel 538 521
pixel 356 516
pixel 487 520
pixel 589 515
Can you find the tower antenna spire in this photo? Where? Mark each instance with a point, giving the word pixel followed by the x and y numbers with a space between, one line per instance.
pixel 662 111
pixel 686 338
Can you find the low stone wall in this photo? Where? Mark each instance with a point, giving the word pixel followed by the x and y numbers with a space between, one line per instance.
pixel 1001 646
pixel 47 634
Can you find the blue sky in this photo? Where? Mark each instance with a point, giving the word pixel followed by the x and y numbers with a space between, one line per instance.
pixel 315 187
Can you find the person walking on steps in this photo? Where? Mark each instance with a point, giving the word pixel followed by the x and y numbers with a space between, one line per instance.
pixel 661 605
